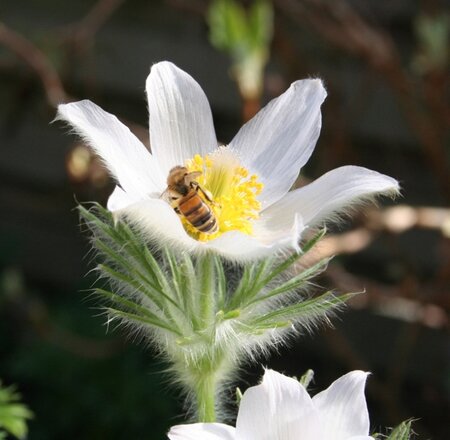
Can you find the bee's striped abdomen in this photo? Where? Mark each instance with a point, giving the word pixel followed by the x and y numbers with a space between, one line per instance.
pixel 198 213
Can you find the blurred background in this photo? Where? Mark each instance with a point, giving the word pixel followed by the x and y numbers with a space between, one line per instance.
pixel 385 66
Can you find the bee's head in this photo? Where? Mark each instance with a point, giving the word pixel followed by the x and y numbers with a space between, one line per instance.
pixel 177 175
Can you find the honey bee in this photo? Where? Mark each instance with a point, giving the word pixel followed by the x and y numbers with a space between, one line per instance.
pixel 182 194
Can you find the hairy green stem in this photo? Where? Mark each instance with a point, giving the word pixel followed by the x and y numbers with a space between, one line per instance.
pixel 206 375
pixel 206 398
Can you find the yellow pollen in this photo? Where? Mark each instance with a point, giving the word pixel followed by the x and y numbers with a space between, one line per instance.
pixel 234 193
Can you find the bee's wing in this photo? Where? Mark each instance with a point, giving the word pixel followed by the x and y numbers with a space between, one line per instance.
pixel 171 197
pixel 190 177
pixel 205 192
pixel 166 196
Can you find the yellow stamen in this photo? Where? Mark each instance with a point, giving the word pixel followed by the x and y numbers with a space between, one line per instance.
pixel 233 189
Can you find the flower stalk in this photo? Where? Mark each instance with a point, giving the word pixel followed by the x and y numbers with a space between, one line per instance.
pixel 205 393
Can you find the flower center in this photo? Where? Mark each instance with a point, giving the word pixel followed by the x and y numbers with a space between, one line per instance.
pixel 233 191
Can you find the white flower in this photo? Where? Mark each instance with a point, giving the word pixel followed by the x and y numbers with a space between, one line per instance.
pixel 281 409
pixel 249 179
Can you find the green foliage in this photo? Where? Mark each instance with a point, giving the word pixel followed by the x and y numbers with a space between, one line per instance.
pixel 240 32
pixel 13 414
pixel 306 379
pixel 245 35
pixel 433 32
pixel 238 396
pixel 203 314
pixel 401 432
pixel 105 390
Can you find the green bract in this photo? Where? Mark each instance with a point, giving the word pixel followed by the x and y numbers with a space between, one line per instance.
pixel 245 35
pixel 402 431
pixel 13 414
pixel 205 315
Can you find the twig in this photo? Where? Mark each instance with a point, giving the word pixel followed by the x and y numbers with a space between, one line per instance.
pixel 395 220
pixel 421 304
pixel 198 7
pixel 37 61
pixel 82 32
pixel 343 27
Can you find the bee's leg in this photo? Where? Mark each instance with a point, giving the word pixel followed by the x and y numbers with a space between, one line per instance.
pixel 205 192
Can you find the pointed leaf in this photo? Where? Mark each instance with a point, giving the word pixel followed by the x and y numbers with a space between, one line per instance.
pixel 133 307
pixel 143 320
pixel 293 283
pixel 402 431
pixel 306 379
pixel 305 310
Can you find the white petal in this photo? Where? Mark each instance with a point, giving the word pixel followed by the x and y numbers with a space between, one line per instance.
pixel 343 408
pixel 278 409
pixel 281 228
pixel 279 140
pixel 332 194
pixel 202 431
pixel 181 123
pixel 241 247
pixel 265 241
pixel 119 199
pixel 124 155
pixel 361 437
pixel 158 221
